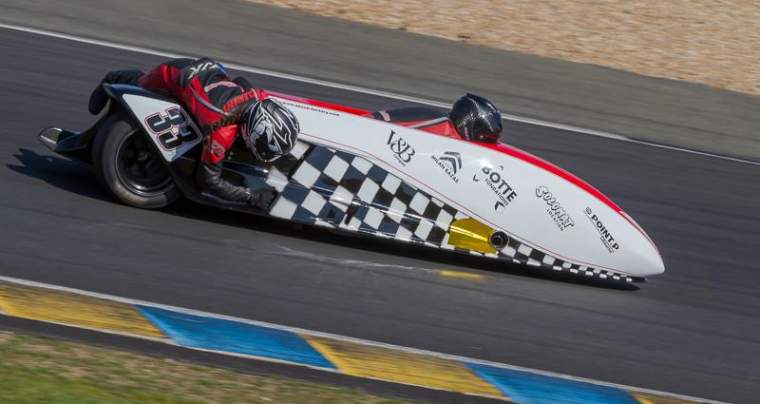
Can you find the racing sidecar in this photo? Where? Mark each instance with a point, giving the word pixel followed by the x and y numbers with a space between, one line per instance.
pixel 352 173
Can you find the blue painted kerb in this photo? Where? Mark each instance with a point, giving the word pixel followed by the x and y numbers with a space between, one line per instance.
pixel 231 336
pixel 531 388
pixel 209 333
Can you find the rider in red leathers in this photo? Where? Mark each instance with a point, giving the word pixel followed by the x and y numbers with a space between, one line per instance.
pixel 223 108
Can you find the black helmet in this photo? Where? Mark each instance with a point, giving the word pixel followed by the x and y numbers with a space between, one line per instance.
pixel 476 118
pixel 269 129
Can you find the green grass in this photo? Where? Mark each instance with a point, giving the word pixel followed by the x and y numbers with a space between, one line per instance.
pixel 40 370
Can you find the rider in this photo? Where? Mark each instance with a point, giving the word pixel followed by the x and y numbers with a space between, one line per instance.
pixel 471 118
pixel 224 108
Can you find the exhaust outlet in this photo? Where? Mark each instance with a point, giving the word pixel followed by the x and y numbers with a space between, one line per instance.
pixel 499 240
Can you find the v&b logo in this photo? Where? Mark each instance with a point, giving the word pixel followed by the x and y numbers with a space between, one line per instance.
pixel 402 151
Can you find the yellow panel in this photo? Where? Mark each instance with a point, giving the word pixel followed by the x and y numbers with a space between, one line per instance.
pixel 472 235
pixel 645 398
pixel 69 308
pixel 402 367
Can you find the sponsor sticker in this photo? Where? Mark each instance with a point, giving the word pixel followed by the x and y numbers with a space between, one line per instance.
pixel 402 151
pixel 307 107
pixel 607 239
pixel 494 179
pixel 555 209
pixel 450 163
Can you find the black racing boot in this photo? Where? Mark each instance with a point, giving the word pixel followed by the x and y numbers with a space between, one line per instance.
pixel 99 98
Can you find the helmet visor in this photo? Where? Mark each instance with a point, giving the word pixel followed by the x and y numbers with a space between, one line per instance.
pixel 267 151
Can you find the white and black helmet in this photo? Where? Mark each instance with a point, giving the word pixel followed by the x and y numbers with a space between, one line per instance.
pixel 269 129
pixel 476 118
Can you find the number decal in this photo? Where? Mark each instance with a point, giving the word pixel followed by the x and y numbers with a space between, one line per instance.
pixel 170 128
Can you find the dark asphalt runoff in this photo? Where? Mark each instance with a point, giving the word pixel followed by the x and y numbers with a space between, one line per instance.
pixel 694 330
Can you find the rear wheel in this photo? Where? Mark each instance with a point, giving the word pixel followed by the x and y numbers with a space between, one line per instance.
pixel 130 167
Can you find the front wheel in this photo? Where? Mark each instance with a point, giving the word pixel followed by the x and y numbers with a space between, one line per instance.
pixel 128 165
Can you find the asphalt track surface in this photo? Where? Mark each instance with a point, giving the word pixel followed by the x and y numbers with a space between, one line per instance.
pixel 672 112
pixel 693 330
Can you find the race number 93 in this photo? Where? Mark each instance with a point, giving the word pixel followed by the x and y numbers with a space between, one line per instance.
pixel 170 128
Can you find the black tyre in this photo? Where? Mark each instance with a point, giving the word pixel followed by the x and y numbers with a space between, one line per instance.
pixel 130 167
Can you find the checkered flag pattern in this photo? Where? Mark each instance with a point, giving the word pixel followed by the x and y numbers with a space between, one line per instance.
pixel 327 187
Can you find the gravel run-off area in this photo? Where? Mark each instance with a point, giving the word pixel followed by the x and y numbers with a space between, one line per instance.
pixel 712 42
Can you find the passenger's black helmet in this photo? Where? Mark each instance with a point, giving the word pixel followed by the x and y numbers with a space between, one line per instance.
pixel 476 118
pixel 269 129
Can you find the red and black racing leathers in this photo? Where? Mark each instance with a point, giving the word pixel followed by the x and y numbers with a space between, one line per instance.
pixel 214 100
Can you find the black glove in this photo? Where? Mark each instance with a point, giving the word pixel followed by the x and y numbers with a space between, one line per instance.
pixel 262 198
pixel 212 185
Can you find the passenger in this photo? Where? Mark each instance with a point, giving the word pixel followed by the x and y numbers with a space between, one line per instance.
pixel 471 118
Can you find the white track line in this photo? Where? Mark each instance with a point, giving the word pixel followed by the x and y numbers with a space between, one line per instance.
pixel 369 91
pixel 337 337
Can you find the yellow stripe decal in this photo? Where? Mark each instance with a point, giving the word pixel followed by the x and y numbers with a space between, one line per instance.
pixel 469 276
pixel 68 308
pixel 401 367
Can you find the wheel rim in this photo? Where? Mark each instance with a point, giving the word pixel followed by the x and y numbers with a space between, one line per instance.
pixel 140 168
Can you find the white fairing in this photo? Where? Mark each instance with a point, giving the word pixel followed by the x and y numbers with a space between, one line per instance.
pixel 529 203
pixel 167 125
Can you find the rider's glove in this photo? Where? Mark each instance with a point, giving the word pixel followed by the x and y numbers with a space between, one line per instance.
pixel 213 186
pixel 261 198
